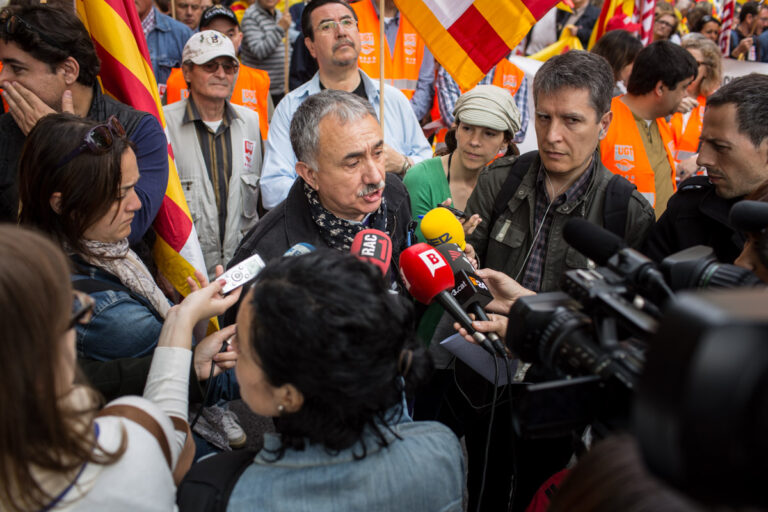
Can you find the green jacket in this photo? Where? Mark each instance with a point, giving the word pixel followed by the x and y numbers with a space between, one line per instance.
pixel 504 245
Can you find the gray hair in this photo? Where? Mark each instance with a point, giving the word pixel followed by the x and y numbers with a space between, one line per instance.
pixel 577 69
pixel 305 131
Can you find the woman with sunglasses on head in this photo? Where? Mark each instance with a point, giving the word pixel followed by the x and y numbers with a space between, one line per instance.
pixel 76 184
pixel 706 24
pixel 57 450
pixel 686 128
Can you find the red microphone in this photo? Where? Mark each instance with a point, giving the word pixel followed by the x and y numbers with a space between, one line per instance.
pixel 428 276
pixel 373 246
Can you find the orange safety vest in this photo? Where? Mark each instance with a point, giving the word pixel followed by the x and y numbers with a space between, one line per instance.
pixel 251 91
pixel 622 151
pixel 401 69
pixel 506 75
pixel 686 142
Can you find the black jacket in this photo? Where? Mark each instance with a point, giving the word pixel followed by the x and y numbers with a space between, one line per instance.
pixel 695 215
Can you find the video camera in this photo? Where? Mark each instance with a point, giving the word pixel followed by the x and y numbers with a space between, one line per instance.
pixel 692 382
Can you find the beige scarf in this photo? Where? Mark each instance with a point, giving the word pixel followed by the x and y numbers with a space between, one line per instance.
pixel 118 259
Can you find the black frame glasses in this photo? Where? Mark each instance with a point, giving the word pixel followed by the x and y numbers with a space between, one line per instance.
pixel 13 22
pixel 98 140
pixel 82 309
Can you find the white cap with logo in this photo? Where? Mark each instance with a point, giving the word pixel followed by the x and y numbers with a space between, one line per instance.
pixel 206 46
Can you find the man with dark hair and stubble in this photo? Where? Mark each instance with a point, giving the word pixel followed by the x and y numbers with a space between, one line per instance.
pixel 524 202
pixel 638 144
pixel 734 152
pixel 50 65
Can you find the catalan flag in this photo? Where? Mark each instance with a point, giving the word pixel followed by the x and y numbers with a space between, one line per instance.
pixel 469 37
pixel 610 9
pixel 126 74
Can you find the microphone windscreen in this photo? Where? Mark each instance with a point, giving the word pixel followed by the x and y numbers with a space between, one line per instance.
pixel 455 258
pixel 591 240
pixel 750 216
pixel 440 226
pixel 373 246
pixel 299 249
pixel 425 272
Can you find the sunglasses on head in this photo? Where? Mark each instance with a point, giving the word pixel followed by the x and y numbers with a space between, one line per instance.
pixel 212 66
pixel 98 140
pixel 82 309
pixel 16 25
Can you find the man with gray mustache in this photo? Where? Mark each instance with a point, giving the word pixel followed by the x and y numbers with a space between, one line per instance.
pixel 332 37
pixel 342 186
pixel 734 152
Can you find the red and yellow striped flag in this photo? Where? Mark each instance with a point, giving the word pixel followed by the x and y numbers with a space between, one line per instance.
pixel 126 75
pixel 609 10
pixel 469 37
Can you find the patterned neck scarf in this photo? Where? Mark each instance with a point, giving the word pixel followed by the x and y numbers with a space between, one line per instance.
pixel 339 233
pixel 119 260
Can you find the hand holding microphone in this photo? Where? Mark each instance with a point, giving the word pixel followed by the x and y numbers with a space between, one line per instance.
pixel 428 277
pixel 440 226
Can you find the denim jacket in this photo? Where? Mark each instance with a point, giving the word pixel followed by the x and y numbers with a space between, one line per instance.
pixel 422 471
pixel 123 324
pixel 166 42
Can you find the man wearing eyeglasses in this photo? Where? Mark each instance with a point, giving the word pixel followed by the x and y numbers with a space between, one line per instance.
pixel 217 146
pixel 50 65
pixel 333 40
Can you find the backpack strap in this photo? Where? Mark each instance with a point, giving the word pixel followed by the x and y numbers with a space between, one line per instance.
pixel 209 484
pixel 616 209
pixel 150 424
pixel 514 178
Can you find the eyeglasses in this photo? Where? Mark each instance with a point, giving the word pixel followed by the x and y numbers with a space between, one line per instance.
pixel 16 25
pixel 667 24
pixel 82 309
pixel 230 67
pixel 327 27
pixel 708 19
pixel 98 140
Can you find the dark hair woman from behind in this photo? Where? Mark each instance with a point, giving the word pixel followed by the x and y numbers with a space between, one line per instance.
pixel 328 352
pixel 619 48
pixel 76 180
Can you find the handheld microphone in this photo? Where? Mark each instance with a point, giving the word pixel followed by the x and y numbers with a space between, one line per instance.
pixel 469 290
pixel 608 250
pixel 373 246
pixel 428 277
pixel 299 249
pixel 440 226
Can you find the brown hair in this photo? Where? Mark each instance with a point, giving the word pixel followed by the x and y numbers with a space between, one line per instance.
pixel 612 476
pixel 451 143
pixel 36 430
pixel 89 184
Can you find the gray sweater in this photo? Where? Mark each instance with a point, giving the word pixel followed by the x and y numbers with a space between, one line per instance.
pixel 262 46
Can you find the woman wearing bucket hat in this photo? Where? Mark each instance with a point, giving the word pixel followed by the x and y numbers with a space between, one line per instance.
pixel 486 120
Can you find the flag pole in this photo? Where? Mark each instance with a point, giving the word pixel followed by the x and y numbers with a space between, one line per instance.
pixel 382 50
pixel 173 9
pixel 287 57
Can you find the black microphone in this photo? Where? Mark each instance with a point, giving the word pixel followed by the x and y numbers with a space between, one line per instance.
pixel 469 289
pixel 608 250
pixel 749 216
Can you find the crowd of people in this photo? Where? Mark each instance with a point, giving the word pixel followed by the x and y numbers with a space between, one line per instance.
pixel 283 134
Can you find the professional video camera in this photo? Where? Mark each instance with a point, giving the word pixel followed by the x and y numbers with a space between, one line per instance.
pixel 691 382
pixel 593 335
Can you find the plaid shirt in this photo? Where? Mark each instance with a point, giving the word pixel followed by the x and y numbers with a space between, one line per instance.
pixel 149 22
pixel 542 222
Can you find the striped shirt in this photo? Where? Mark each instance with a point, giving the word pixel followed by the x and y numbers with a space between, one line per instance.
pixel 216 147
pixel 542 221
pixel 262 46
